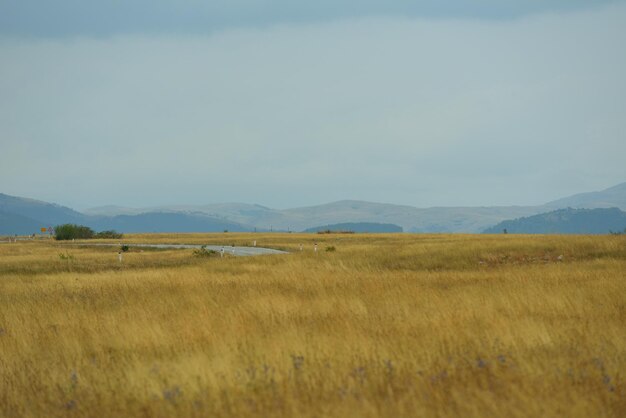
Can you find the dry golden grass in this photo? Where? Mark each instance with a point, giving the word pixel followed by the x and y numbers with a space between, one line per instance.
pixel 387 325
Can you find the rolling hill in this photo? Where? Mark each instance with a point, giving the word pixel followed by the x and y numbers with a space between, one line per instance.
pixel 41 212
pixel 26 216
pixel 613 197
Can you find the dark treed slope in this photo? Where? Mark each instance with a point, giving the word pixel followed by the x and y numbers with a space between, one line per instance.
pixel 12 223
pixel 566 221
pixel 359 227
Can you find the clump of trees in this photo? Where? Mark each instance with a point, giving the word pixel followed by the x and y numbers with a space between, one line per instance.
pixel 72 231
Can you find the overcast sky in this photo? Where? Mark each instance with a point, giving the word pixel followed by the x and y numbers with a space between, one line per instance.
pixel 144 103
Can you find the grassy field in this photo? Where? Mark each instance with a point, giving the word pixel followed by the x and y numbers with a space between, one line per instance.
pixel 385 325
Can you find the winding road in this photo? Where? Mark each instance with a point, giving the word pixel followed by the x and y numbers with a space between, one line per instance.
pixel 228 249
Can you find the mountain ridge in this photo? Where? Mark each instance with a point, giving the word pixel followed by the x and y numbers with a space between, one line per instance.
pixel 245 216
pixel 614 196
pixel 38 210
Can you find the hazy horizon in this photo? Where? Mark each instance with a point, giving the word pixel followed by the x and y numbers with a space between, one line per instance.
pixel 242 202
pixel 148 104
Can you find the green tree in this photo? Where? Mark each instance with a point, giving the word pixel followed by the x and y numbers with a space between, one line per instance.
pixel 72 231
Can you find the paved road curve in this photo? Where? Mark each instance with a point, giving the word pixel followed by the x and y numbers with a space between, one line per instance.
pixel 228 249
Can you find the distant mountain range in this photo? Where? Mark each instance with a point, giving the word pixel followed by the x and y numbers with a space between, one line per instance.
pixel 23 216
pixel 566 221
pixel 411 219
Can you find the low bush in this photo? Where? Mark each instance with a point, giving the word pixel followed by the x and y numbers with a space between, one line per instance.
pixel 203 252
pixel 112 234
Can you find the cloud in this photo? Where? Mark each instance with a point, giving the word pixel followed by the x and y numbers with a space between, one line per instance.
pixel 391 109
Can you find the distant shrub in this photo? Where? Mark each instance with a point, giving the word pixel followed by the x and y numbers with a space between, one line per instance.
pixel 72 231
pixel 112 234
pixel 331 248
pixel 203 252
pixel 330 231
pixel 124 248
